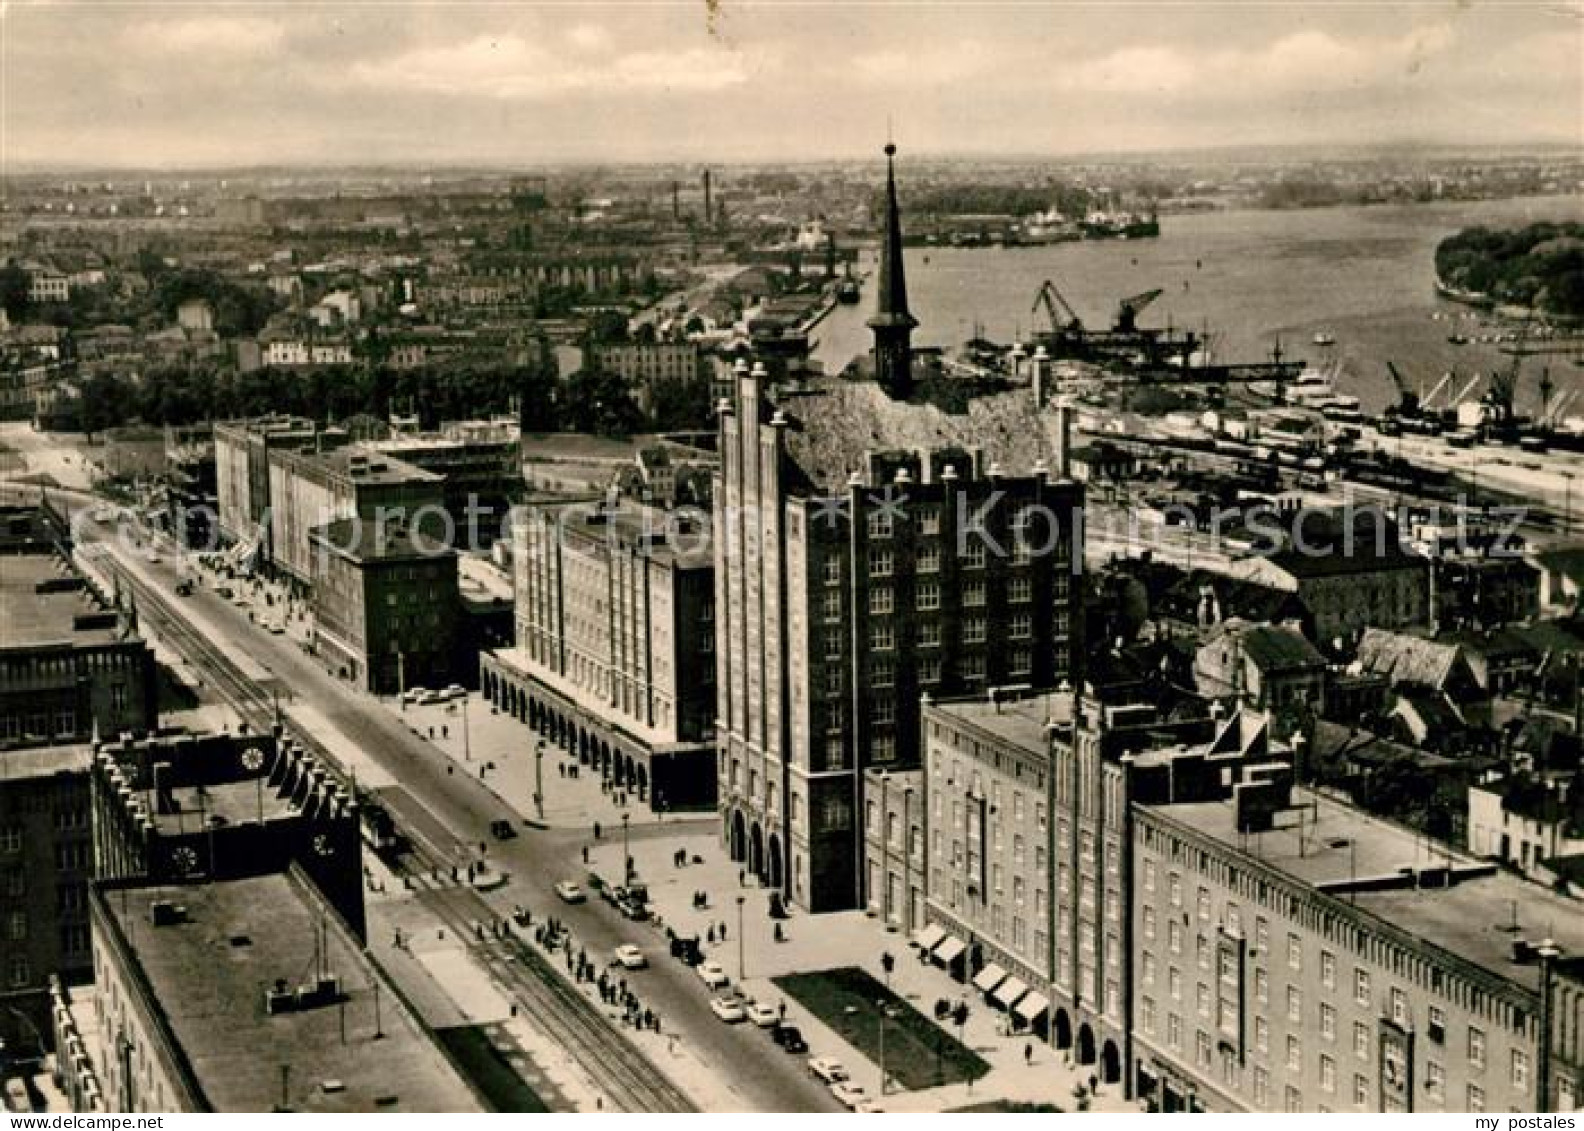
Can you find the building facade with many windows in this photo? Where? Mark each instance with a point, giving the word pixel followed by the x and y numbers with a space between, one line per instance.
pixel 1296 954
pixel 615 639
pixel 850 580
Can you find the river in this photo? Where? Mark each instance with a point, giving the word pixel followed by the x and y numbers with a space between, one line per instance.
pixel 1364 275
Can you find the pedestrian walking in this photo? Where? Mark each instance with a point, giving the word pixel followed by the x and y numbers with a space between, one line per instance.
pixel 1028 1052
pixel 585 854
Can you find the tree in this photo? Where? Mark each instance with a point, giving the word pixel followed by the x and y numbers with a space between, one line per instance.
pixel 606 326
pixel 598 402
pixel 13 291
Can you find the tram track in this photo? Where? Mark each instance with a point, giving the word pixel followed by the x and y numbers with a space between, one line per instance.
pixel 564 1013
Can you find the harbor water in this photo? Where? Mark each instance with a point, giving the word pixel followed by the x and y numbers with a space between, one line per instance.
pixel 1362 275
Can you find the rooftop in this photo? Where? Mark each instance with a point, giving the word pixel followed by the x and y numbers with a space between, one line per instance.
pixel 43 601
pixel 44 761
pixel 1335 845
pixel 633 524
pixel 1018 722
pixel 1274 647
pixel 368 466
pixel 223 804
pixel 833 424
pixel 367 539
pixel 1407 659
pixel 210 972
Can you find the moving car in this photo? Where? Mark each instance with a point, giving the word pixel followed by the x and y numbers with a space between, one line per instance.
pixel 570 892
pixel 728 1009
pixel 789 1037
pixel 501 829
pixel 630 957
pixel 848 1094
pixel 827 1069
pixel 763 1014
pixel 713 975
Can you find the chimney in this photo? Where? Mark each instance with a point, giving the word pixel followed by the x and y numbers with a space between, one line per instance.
pixel 1064 422
pixel 1037 367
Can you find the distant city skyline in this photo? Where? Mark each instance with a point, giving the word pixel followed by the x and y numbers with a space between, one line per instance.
pixel 122 85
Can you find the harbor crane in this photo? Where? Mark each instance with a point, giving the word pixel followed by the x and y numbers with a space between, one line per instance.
pixel 1407 400
pixel 1502 396
pixel 1131 307
pixel 1050 298
pixel 1424 401
pixel 1467 389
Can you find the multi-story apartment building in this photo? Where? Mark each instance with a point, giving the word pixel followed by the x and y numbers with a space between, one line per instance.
pixel 481 462
pixel 645 367
pixel 46 861
pixel 385 605
pixel 615 635
pixel 1213 937
pixel 310 487
pixel 1028 864
pixel 71 662
pixel 867 551
pixel 1293 953
pixel 1530 822
pixel 242 486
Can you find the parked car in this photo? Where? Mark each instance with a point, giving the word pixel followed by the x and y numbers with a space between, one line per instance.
pixel 763 1014
pixel 455 691
pixel 570 892
pixel 848 1094
pixel 629 957
pixel 687 949
pixel 431 697
pixel 713 975
pixel 502 829
pixel 414 694
pixel 789 1037
pixel 827 1069
pixel 728 1009
pixel 632 907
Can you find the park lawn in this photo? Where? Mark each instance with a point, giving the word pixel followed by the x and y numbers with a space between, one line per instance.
pixel 918 1053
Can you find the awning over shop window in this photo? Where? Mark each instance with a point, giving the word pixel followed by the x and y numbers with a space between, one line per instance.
pixel 929 937
pixel 989 978
pixel 1032 1006
pixel 949 950
pixel 1009 991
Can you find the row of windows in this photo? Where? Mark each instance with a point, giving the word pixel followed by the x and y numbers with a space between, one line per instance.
pixel 1309 912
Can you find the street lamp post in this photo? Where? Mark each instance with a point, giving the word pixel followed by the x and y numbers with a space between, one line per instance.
pixel 885 1013
pixel 1548 952
pixel 742 970
pixel 467 740
pixel 539 776
pixel 627 868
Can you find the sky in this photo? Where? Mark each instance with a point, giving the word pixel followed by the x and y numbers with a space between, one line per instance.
pixel 110 84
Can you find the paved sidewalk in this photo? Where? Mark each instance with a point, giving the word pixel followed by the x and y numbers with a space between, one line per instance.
pixel 447 986
pixel 505 754
pixel 823 942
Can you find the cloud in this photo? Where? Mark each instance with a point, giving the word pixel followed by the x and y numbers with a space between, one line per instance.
pixel 208 36
pixel 512 67
pixel 588 37
pixel 1306 61
pixel 923 65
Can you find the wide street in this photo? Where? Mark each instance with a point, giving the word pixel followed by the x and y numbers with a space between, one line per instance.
pixel 460 810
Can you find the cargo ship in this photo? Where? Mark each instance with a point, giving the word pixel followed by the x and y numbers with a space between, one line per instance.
pixel 1102 225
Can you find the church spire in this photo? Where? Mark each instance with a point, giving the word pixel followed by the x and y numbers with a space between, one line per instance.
pixel 892 323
